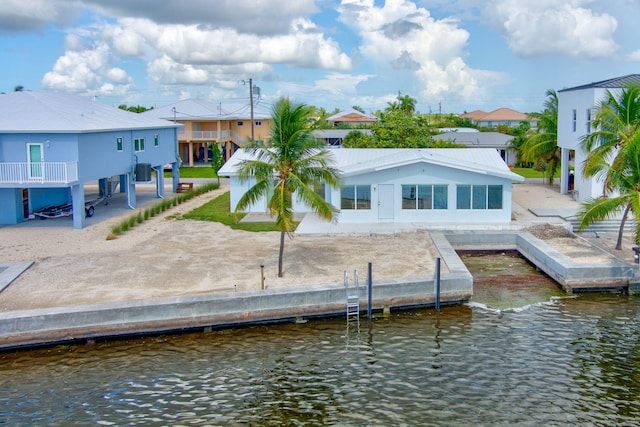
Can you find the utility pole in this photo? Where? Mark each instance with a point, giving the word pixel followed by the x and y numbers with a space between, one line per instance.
pixel 251 100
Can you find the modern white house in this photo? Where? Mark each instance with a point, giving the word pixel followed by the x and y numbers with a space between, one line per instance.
pixel 52 144
pixel 431 186
pixel 576 111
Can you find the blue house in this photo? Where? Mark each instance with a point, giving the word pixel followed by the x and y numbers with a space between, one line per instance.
pixel 52 144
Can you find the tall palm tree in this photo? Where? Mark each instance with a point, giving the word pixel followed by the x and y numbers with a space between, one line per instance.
pixel 623 176
pixel 612 149
pixel 291 165
pixel 542 146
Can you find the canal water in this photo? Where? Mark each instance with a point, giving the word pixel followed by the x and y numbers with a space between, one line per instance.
pixel 557 361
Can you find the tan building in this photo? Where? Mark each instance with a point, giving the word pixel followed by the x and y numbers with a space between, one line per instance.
pixel 501 116
pixel 229 125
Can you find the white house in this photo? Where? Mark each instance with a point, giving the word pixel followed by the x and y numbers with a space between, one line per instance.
pixel 576 110
pixel 436 185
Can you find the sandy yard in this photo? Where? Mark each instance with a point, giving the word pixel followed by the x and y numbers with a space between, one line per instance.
pixel 165 257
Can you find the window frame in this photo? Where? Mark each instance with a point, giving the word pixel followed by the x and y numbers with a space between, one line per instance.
pixel 138 145
pixel 119 144
pixel 357 203
pixel 434 193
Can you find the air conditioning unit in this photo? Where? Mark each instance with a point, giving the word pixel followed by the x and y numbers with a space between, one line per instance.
pixel 143 172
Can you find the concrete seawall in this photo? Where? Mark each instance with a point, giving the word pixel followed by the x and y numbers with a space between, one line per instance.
pixel 47 326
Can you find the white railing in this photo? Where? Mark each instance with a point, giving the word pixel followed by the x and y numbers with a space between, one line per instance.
pixel 209 135
pixel 38 172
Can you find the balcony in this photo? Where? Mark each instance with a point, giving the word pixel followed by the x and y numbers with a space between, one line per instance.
pixel 38 172
pixel 203 135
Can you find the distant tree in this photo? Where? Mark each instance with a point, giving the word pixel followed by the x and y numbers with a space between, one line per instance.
pixel 356 139
pixel 217 159
pixel 294 163
pixel 358 108
pixel 18 88
pixel 541 147
pixel 134 109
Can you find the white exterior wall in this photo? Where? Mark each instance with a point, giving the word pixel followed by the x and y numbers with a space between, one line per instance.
pixel 425 174
pixel 568 139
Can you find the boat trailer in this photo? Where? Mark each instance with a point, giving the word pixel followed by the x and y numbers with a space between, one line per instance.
pixel 57 211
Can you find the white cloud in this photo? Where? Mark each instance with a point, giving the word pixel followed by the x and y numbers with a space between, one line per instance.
pixel 551 26
pixel 401 35
pixel 85 68
pixel 633 56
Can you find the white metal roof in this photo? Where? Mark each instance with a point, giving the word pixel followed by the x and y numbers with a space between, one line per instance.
pixel 357 161
pixel 46 112
pixel 199 109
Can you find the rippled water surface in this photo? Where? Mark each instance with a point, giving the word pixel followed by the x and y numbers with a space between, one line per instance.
pixel 575 361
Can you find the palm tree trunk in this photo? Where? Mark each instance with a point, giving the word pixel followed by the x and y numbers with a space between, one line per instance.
pixel 282 233
pixel 621 230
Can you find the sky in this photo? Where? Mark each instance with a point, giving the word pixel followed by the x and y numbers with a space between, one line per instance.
pixel 452 56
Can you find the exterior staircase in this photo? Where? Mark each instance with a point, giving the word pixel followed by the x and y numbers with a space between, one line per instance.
pixel 605 226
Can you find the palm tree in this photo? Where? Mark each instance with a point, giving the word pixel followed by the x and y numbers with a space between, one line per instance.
pixel 294 162
pixel 624 176
pixel 542 146
pixel 613 149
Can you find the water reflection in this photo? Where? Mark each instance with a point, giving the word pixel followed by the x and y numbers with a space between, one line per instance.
pixel 571 362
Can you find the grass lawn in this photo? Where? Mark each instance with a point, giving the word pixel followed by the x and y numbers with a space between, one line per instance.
pixel 194 172
pixel 532 173
pixel 218 210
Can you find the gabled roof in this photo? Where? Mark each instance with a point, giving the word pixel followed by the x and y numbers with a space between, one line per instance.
pixel 351 116
pixel 357 161
pixel 199 109
pixel 614 83
pixel 476 139
pixel 46 112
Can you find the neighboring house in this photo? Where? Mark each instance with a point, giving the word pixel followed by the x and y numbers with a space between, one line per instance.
pixel 474 139
pixel 333 137
pixel 352 117
pixel 576 111
pixel 501 116
pixel 52 144
pixel 431 186
pixel 229 125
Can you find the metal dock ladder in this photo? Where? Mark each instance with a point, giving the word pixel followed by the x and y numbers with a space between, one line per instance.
pixel 353 297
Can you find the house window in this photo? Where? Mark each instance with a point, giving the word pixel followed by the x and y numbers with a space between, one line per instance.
pixel 588 124
pixel 355 197
pixel 575 120
pixel 479 197
pixel 119 144
pixel 156 140
pixel 319 189
pixel 258 123
pixel 240 123
pixel 138 144
pixel 424 196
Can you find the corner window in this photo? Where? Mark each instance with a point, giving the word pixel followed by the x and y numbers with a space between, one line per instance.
pixel 156 140
pixel 479 197
pixel 119 145
pixel 355 197
pixel 424 197
pixel 138 144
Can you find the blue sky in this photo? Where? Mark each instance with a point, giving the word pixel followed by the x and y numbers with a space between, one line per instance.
pixel 451 55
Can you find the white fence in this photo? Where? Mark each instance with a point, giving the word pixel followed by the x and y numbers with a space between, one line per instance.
pixel 38 172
